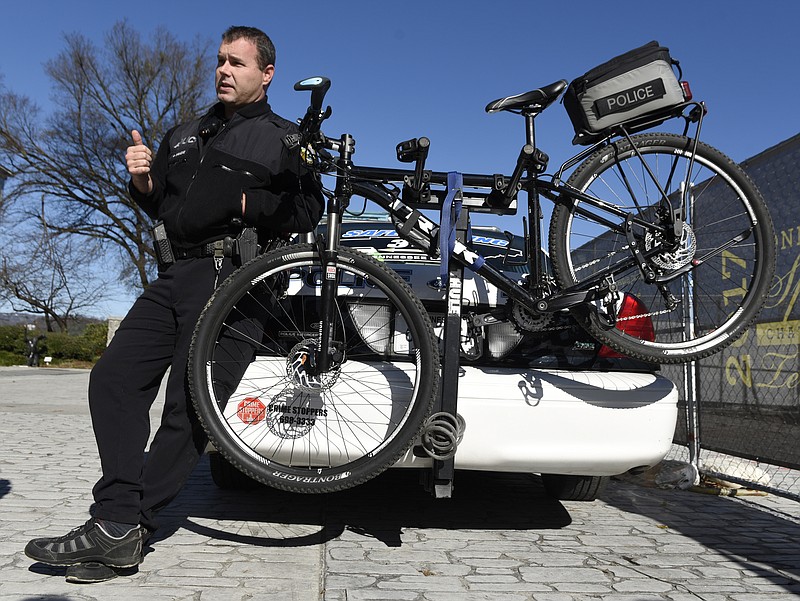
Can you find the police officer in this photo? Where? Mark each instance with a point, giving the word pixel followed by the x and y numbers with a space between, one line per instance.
pixel 211 177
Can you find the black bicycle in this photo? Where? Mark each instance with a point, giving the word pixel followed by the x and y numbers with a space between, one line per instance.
pixel 315 366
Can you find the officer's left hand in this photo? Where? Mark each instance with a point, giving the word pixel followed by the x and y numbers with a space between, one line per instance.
pixel 139 158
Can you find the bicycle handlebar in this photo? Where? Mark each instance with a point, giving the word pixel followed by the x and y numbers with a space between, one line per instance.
pixel 319 87
pixel 314 115
pixel 410 151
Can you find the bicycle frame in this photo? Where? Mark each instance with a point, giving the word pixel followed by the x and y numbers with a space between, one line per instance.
pixel 538 295
pixel 379 185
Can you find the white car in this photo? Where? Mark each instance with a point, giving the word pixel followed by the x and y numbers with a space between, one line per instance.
pixel 535 395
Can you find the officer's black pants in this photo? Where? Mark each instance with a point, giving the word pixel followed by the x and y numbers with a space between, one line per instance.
pixel 154 337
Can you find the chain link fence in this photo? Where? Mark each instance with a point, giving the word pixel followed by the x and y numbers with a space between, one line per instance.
pixel 742 406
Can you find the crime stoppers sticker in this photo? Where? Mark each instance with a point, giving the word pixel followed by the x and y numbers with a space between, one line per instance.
pixel 251 410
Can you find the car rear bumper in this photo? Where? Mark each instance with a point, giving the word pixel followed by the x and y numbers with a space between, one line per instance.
pixel 561 422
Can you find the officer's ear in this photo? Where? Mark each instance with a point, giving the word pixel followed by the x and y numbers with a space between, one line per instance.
pixel 267 74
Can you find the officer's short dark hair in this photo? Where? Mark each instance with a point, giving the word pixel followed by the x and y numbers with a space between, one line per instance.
pixel 264 45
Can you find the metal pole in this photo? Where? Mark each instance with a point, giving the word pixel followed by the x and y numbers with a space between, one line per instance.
pixel 692 418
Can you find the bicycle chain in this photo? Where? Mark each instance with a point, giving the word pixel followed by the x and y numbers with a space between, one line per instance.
pixel 566 327
pixel 597 260
pixel 639 316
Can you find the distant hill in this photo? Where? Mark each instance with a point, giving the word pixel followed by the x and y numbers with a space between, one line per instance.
pixel 20 319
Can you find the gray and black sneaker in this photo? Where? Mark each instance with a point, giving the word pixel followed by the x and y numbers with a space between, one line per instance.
pixel 88 543
pixel 92 572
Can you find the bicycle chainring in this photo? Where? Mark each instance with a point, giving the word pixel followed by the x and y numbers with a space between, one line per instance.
pixel 525 321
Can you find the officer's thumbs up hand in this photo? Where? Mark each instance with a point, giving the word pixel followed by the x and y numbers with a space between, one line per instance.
pixel 139 158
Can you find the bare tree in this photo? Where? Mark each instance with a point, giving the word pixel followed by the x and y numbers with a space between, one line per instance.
pixel 4 173
pixel 47 275
pixel 75 157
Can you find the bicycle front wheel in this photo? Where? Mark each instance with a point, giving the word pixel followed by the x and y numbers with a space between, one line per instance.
pixel 711 286
pixel 270 412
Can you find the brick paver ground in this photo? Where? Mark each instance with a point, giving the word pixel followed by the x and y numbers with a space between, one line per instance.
pixel 499 538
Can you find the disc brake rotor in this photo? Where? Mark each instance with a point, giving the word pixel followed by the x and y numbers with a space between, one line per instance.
pixel 301 368
pixel 674 259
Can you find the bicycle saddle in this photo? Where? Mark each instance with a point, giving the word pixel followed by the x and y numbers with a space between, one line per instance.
pixel 538 99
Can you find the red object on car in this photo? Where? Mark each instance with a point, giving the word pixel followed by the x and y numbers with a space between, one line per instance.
pixel 640 327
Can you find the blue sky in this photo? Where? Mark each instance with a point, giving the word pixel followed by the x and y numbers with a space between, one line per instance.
pixel 412 68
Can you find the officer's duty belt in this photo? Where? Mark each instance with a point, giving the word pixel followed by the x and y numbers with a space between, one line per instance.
pixel 218 248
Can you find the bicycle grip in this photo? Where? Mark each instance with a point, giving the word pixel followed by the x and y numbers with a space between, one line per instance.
pixel 319 87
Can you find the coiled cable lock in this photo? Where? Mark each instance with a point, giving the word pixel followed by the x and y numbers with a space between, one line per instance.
pixel 441 435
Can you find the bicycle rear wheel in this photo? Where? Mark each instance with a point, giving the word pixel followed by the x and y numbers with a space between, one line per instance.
pixel 715 281
pixel 262 403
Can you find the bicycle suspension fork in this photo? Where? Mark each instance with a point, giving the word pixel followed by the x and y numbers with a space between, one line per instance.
pixel 329 254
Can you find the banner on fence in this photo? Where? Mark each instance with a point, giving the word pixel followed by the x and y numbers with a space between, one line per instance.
pixel 749 395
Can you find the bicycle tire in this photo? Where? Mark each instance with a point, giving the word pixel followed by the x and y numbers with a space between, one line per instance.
pixel 276 421
pixel 722 291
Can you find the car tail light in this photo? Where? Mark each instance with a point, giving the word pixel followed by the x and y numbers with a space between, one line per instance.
pixel 381 328
pixel 372 322
pixel 687 91
pixel 639 327
pixel 502 338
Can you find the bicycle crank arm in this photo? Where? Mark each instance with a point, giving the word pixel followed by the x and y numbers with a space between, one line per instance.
pixel 565 300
